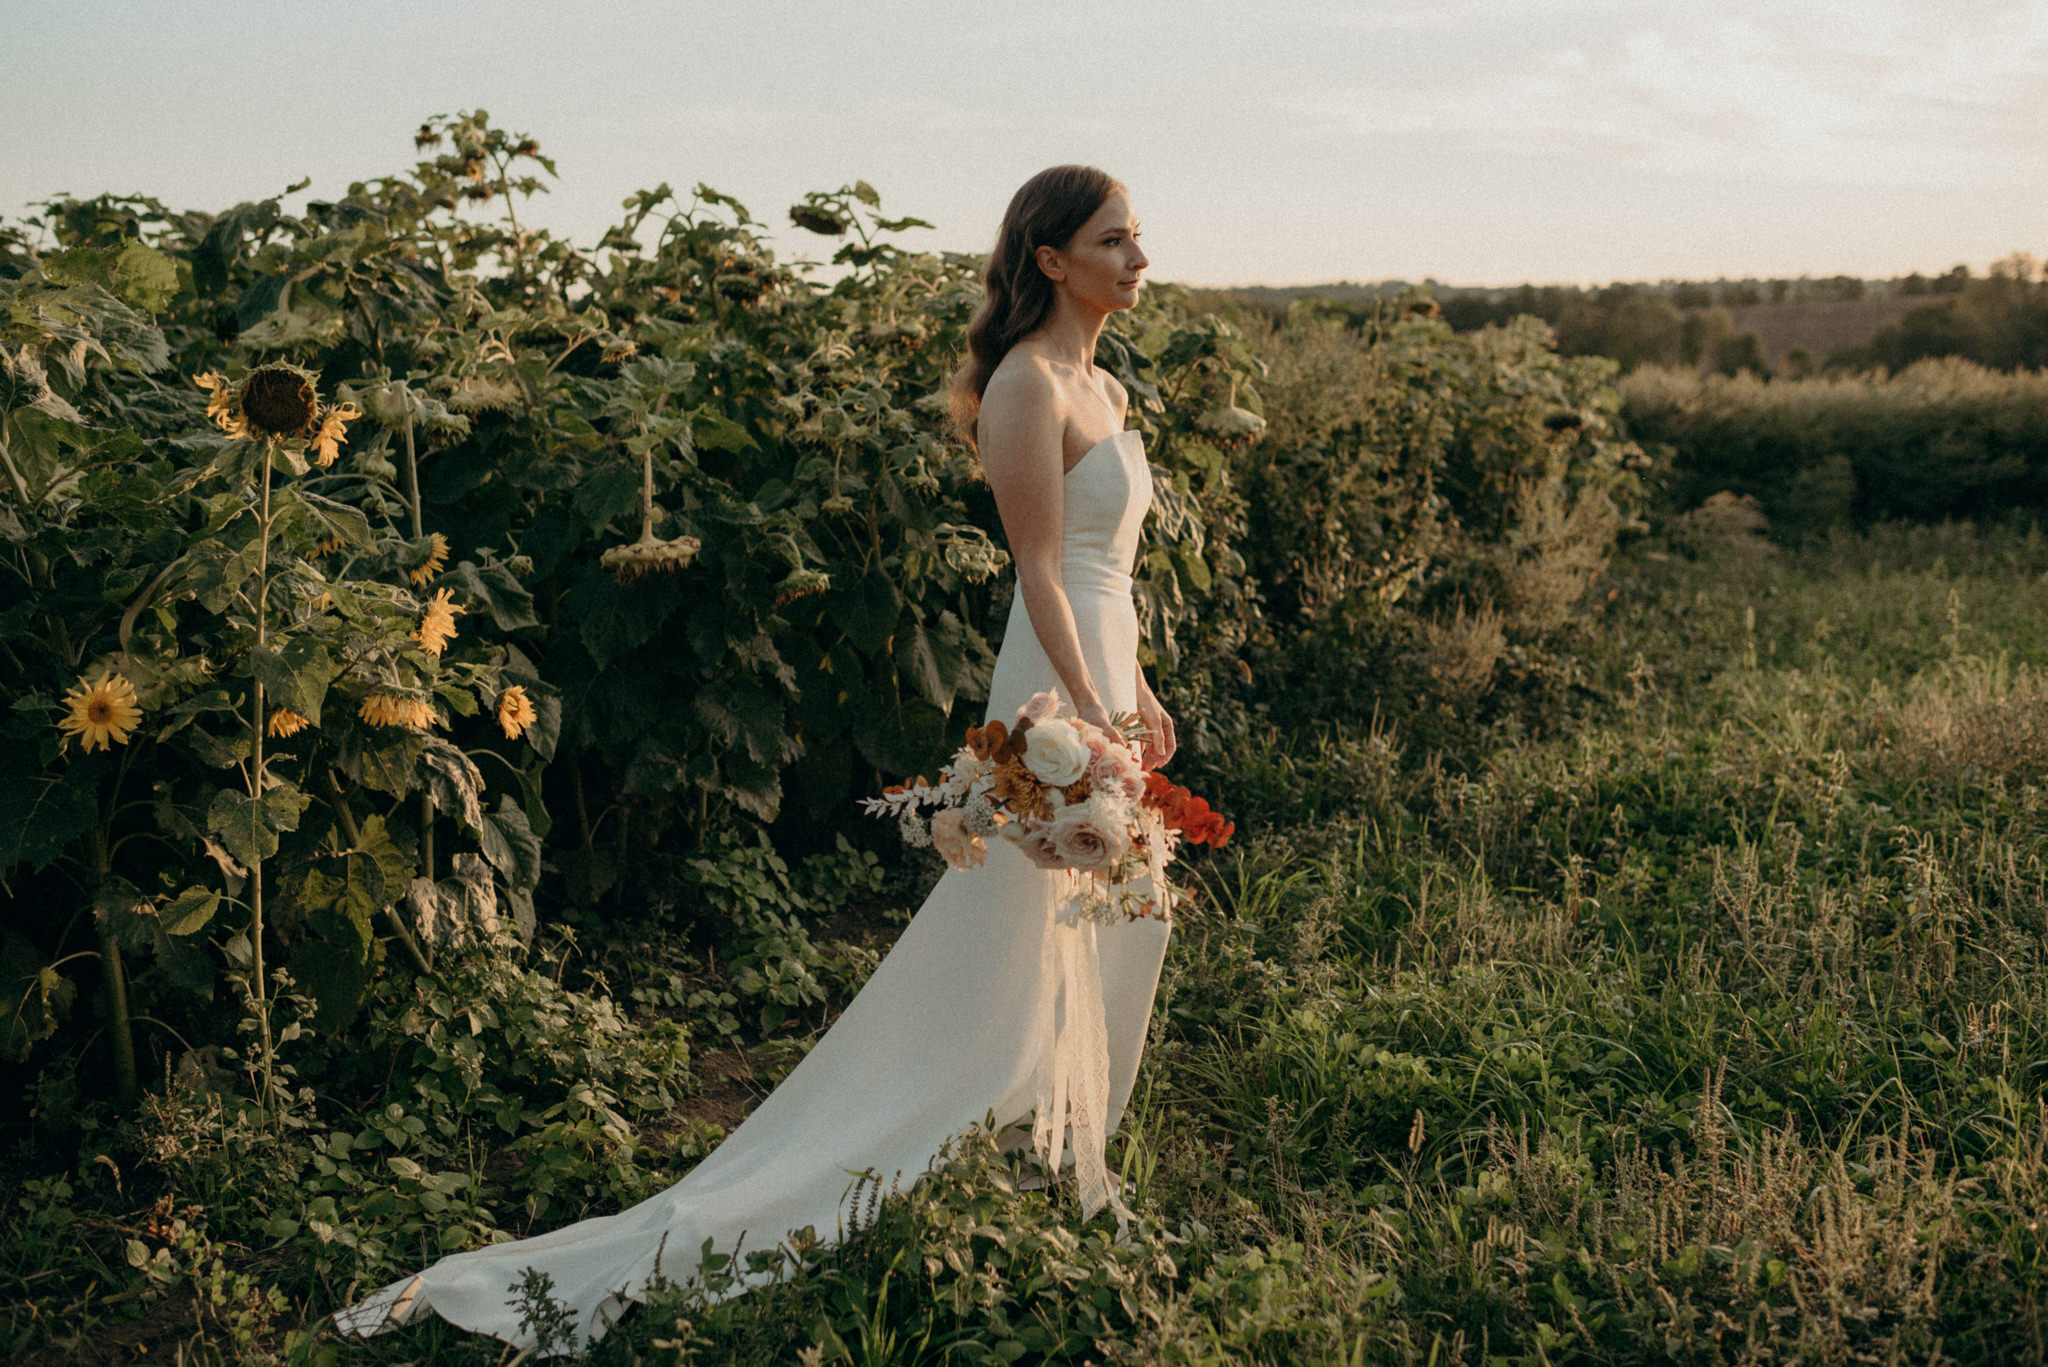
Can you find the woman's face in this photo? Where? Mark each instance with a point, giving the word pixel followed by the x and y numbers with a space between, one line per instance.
pixel 1101 265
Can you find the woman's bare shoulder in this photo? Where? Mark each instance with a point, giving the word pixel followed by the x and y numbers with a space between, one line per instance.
pixel 1023 380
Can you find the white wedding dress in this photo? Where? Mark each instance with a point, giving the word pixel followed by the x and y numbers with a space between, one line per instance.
pixel 995 1003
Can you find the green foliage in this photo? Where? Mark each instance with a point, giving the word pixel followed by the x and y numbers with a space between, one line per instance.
pixel 1940 439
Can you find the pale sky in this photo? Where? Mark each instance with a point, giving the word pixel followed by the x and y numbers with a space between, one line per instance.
pixel 1476 141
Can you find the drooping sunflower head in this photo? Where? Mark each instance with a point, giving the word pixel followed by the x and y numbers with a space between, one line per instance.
pixel 101 711
pixel 437 625
pixel 437 557
pixel 515 711
pixel 281 400
pixel 648 554
pixel 389 709
pixel 285 723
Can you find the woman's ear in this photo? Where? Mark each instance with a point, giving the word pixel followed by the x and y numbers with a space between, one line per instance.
pixel 1052 263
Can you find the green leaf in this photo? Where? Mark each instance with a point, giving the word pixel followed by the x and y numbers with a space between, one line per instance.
pixel 190 911
pixel 249 826
pixel 507 600
pixel 456 786
pixel 867 611
pixel 145 277
pixel 297 676
pixel 509 843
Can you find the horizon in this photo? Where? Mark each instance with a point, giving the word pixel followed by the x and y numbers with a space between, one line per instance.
pixel 1565 142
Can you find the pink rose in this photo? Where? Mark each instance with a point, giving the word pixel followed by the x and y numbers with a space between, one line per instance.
pixel 1090 837
pixel 1041 706
pixel 949 836
pixel 1038 846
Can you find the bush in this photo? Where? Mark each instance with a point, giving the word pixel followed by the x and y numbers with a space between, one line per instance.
pixel 1940 439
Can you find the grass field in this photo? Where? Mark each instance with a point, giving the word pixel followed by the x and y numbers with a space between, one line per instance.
pixel 1712 1028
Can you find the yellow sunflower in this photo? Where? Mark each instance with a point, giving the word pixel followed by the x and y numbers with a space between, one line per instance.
pixel 285 723
pixel 386 709
pixel 333 433
pixel 515 711
pixel 101 711
pixel 437 628
pixel 437 557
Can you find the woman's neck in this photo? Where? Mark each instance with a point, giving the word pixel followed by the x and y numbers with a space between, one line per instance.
pixel 1070 331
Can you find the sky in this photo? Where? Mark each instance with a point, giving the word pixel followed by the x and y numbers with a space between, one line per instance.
pixel 1283 142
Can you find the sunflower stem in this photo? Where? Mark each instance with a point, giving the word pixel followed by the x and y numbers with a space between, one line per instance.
pixel 122 1026
pixel 347 818
pixel 259 993
pixel 412 474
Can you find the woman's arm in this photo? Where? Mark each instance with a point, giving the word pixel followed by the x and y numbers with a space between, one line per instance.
pixel 1021 432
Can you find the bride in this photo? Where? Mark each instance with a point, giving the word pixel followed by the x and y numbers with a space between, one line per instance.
pixel 997 1003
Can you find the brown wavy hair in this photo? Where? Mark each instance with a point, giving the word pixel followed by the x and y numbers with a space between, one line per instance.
pixel 1046 211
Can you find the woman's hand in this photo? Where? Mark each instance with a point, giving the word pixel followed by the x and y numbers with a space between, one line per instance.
pixel 1160 742
pixel 1095 714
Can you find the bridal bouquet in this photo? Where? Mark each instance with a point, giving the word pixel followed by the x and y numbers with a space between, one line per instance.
pixel 1069 795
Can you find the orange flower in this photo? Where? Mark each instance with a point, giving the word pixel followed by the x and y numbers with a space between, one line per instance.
pixel 285 723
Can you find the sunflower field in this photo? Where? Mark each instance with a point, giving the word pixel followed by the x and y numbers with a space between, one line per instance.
pixel 442 662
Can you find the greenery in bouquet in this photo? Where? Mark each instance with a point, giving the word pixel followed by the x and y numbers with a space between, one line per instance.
pixel 1071 796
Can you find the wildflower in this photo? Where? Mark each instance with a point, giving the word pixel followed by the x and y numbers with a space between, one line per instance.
pixel 102 711
pixel 279 400
pixel 515 712
pixel 285 723
pixel 388 709
pixel 333 433
pixel 437 557
pixel 437 627
pixel 222 406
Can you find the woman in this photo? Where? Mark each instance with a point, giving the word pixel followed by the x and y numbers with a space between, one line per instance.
pixel 997 1004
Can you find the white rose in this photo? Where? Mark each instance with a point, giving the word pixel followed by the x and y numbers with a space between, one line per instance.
pixel 1056 754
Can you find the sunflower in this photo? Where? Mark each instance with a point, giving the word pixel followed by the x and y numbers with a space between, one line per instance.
pixel 285 723
pixel 515 711
pixel 328 545
pixel 437 627
pixel 223 407
pixel 101 711
pixel 333 433
pixel 650 553
pixel 279 400
pixel 437 556
pixel 387 709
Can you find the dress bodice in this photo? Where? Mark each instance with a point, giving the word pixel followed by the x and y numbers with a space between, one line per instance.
pixel 1107 494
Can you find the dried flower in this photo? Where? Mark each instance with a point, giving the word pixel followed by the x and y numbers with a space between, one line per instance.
pixel 285 723
pixel 279 400
pixel 101 711
pixel 650 553
pixel 515 712
pixel 328 545
pixel 388 709
pixel 437 627
pixel 222 406
pixel 437 557
pixel 333 433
